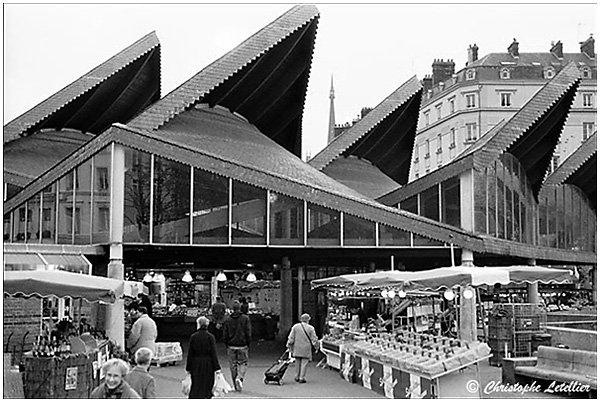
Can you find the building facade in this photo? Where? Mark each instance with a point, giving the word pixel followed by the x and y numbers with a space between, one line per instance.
pixel 459 107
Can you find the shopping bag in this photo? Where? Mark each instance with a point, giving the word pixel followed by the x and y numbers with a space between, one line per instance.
pixel 221 386
pixel 186 385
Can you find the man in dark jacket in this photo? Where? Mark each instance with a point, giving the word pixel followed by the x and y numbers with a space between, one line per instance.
pixel 237 334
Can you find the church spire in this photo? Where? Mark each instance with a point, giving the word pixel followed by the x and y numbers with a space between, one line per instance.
pixel 331 132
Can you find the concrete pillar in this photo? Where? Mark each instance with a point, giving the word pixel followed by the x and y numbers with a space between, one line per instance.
pixel 467 328
pixel 300 278
pixel 532 288
pixel 115 313
pixel 285 315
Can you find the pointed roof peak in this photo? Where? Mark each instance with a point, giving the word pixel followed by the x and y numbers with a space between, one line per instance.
pixel 225 67
pixel 93 78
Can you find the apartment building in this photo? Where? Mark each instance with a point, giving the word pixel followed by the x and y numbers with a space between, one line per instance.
pixel 461 106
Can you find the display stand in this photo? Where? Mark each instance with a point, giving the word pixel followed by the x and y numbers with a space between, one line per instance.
pixel 71 375
pixel 396 383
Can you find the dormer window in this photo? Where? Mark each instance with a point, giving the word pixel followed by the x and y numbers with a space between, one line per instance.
pixel 549 73
pixel 586 72
pixel 471 74
pixel 505 74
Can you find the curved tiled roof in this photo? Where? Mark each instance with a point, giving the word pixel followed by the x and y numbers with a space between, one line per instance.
pixel 112 92
pixel 382 136
pixel 29 157
pixel 260 79
pixel 360 175
pixel 579 169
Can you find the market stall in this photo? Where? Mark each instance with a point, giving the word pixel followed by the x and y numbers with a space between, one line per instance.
pixel 406 359
pixel 65 359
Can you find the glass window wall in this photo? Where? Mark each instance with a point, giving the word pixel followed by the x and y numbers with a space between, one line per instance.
pixel 286 217
pixel 451 201
pixel 83 203
pixel 358 232
pixel 136 219
pixel 389 236
pixel 171 215
pixel 211 208
pixel 323 226
pixel 249 213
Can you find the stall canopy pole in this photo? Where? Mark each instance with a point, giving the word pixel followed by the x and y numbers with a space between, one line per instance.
pixel 392 262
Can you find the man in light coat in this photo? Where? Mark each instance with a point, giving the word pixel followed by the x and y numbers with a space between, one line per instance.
pixel 300 342
pixel 143 332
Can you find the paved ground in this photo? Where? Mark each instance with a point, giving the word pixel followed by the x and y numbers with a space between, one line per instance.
pixel 326 383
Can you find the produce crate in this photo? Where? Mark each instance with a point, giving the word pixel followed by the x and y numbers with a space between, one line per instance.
pixel 167 353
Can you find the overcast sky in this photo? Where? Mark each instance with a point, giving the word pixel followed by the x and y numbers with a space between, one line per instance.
pixel 370 50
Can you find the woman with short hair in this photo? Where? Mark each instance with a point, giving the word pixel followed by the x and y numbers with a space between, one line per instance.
pixel 114 385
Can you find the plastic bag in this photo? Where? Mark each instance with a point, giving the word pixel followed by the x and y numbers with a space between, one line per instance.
pixel 186 385
pixel 221 386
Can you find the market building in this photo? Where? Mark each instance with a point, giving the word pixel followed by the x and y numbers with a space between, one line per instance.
pixel 208 180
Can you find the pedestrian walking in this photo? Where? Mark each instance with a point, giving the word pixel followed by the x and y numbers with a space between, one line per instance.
pixel 300 342
pixel 237 334
pixel 114 385
pixel 218 310
pixel 202 362
pixel 143 332
pixel 144 300
pixel 139 378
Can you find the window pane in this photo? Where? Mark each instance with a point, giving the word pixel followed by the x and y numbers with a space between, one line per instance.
pixel 491 201
pixel 500 196
pixel 425 241
pixel 34 219
pixel 560 217
pixel 430 205
pixel 6 228
pixel 171 202
pixel 83 199
pixel 65 210
pixel 389 236
pixel 451 201
pixel 136 219
pixel 20 230
pixel 248 214
pixel 543 220
pixel 323 226
pixel 410 204
pixel 211 206
pixel 480 197
pixel 286 220
pixel 551 210
pixel 509 213
pixel 49 214
pixel 358 232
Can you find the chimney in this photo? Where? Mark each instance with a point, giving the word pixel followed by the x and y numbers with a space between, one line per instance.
pixel 513 49
pixel 427 83
pixel 472 54
pixel 442 71
pixel 587 47
pixel 557 49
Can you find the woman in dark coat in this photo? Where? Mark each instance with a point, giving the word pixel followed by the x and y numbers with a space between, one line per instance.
pixel 202 361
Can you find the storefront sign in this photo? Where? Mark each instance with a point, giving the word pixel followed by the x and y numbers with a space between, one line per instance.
pixel 71 378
